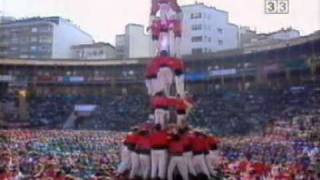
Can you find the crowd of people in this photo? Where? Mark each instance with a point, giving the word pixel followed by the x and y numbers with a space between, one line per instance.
pixel 113 112
pixel 288 148
pixel 58 155
pixel 251 110
pixel 271 134
pixel 244 111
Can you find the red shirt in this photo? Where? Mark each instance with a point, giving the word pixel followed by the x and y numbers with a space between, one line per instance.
pixel 176 147
pixel 5 177
pixel 180 105
pixel 200 145
pixel 173 63
pixel 283 176
pixel 132 139
pixel 187 140
pixel 160 140
pixel 260 169
pixel 143 143
pixel 212 143
pixel 162 102
pixel 163 60
pixel 243 166
pixel 153 68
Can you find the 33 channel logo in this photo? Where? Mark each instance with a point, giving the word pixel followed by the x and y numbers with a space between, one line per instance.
pixel 276 6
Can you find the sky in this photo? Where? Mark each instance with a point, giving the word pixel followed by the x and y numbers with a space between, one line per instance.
pixel 103 19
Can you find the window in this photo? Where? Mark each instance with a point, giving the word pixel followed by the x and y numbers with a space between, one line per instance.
pixel 23 40
pixel 45 39
pixel 13 48
pixel 220 30
pixel 220 42
pixel 34 29
pixel 24 49
pixel 196 15
pixel 24 56
pixel 209 39
pixel 196 39
pixel 44 48
pixel 45 29
pixel 34 39
pixel 196 27
pixel 33 48
pixel 196 51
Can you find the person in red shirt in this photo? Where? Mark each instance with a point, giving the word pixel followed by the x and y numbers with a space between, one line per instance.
pixel 176 28
pixel 187 139
pixel 143 148
pixel 213 156
pixel 160 140
pixel 151 77
pixel 177 65
pixel 164 74
pixel 176 150
pixel 200 149
pixel 161 104
pixel 132 140
pixel 182 107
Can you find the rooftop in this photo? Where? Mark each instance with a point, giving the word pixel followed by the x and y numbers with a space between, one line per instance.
pixel 98 44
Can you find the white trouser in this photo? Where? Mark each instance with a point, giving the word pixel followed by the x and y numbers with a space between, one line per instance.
pixel 158 163
pixel 179 82
pixel 165 77
pixel 171 44
pixel 155 44
pixel 145 164
pixel 164 41
pixel 178 161
pixel 181 119
pixel 188 160
pixel 177 45
pixel 199 164
pixel 135 165
pixel 155 86
pixel 148 83
pixel 212 161
pixel 160 116
pixel 125 160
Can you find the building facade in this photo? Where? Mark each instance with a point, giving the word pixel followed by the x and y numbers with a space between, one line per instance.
pixel 207 29
pixel 134 43
pixel 285 34
pixel 4 45
pixel 249 38
pixel 246 35
pixel 94 51
pixel 41 38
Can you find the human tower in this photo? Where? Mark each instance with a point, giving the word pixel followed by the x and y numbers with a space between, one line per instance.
pixel 155 151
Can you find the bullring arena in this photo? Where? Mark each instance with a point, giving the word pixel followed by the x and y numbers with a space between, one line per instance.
pixel 67 119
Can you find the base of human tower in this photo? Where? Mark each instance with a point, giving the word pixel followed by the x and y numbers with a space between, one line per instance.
pixel 173 153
